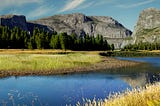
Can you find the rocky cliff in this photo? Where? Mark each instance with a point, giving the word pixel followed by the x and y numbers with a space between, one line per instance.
pixel 147 28
pixel 80 24
pixel 20 21
pixel 14 20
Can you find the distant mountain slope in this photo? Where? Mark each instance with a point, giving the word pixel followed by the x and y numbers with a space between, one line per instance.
pixel 81 25
pixel 76 23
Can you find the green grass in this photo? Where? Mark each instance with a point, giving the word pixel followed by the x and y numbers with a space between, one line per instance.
pixel 49 62
pixel 148 96
pixel 38 62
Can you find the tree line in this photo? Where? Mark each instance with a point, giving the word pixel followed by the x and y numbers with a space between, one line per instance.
pixel 143 46
pixel 39 39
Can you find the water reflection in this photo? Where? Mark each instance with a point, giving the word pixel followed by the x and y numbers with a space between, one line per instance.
pixel 142 79
pixel 19 98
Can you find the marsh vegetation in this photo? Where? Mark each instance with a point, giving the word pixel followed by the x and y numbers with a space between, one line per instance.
pixel 147 96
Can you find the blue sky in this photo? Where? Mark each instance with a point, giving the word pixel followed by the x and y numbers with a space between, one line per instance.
pixel 125 11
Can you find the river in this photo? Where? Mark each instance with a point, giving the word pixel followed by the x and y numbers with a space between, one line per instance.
pixel 60 90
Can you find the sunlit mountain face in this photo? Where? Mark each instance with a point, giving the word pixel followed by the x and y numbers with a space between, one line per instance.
pixel 126 12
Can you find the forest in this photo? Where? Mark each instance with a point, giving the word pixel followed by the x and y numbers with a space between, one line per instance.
pixel 142 46
pixel 39 39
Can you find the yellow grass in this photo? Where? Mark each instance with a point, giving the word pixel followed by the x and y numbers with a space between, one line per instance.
pixel 153 51
pixel 35 51
pixel 148 96
pixel 43 51
pixel 48 62
pixel 29 62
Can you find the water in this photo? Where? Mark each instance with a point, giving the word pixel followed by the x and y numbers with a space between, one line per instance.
pixel 155 61
pixel 60 90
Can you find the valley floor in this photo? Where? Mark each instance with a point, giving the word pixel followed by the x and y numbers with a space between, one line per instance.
pixel 50 62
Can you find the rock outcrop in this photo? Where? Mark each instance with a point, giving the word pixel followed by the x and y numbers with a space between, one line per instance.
pixel 147 28
pixel 20 21
pixel 14 21
pixel 81 25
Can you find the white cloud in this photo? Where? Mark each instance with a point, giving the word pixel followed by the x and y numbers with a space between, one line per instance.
pixel 136 4
pixel 104 2
pixel 8 3
pixel 86 5
pixel 72 4
pixel 40 11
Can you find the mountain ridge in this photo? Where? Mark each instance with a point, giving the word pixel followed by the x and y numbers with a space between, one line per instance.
pixel 76 23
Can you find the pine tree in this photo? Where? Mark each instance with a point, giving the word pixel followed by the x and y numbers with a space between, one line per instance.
pixel 112 47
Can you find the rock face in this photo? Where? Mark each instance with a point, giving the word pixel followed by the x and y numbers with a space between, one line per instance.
pixel 14 20
pixel 20 21
pixel 81 25
pixel 147 28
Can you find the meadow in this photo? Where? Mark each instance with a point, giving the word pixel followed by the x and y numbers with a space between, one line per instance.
pixel 43 63
pixel 49 62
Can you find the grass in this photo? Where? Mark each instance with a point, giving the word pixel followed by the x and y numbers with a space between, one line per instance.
pixel 43 51
pixel 49 62
pixel 148 96
pixel 154 103
pixel 38 62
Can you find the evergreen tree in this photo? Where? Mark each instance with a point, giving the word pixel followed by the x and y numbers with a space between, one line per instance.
pixel 112 47
pixel 63 40
pixel 18 39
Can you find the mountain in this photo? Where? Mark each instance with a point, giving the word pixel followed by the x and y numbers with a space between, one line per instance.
pixel 76 23
pixel 14 20
pixel 147 28
pixel 20 21
pixel 81 25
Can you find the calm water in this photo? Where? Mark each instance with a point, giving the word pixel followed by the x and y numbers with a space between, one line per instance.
pixel 68 89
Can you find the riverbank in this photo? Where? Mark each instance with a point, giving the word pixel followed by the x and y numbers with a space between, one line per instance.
pixel 22 64
pixel 148 96
pixel 140 53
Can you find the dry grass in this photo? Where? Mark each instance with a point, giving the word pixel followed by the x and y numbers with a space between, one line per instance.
pixel 152 51
pixel 49 62
pixel 35 51
pixel 138 97
pixel 30 62
pixel 43 51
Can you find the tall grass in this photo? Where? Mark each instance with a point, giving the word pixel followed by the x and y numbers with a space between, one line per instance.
pixel 148 96
pixel 37 62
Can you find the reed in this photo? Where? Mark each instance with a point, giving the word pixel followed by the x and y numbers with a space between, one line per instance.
pixel 147 96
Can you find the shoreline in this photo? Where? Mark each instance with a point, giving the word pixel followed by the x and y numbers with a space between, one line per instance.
pixel 106 63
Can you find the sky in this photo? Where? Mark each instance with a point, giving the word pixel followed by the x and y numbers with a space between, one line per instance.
pixel 124 11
